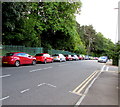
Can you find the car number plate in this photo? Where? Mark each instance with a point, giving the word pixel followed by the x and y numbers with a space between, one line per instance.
pixel 37 60
pixel 5 62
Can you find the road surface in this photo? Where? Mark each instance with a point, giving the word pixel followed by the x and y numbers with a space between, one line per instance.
pixel 58 83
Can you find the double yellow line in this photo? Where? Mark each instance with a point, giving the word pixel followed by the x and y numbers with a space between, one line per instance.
pixel 79 88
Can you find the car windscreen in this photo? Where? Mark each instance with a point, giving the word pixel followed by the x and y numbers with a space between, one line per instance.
pixel 9 54
pixel 103 57
pixel 39 55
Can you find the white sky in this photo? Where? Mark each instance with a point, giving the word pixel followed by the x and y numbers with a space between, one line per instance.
pixel 102 15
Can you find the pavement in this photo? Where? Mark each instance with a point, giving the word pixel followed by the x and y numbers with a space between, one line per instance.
pixel 105 89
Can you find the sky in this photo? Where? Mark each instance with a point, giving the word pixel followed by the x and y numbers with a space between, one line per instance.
pixel 102 15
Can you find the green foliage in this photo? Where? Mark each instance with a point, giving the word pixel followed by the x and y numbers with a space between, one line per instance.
pixel 116 54
pixel 51 25
pixel 46 24
pixel 96 44
pixel 18 27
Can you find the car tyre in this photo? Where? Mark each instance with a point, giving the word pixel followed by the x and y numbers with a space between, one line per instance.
pixel 45 62
pixel 33 62
pixel 17 63
pixel 60 60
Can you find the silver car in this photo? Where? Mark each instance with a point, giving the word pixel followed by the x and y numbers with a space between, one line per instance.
pixel 103 59
pixel 59 57
pixel 75 57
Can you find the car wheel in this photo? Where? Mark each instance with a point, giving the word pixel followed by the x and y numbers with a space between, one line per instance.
pixel 60 60
pixel 33 62
pixel 17 63
pixel 45 62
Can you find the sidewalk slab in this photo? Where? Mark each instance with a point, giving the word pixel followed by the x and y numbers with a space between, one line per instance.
pixel 104 90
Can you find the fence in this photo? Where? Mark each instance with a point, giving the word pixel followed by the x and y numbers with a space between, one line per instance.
pixel 52 51
pixel 30 50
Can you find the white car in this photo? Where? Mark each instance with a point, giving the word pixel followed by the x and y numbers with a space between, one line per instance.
pixel 75 57
pixel 103 59
pixel 59 57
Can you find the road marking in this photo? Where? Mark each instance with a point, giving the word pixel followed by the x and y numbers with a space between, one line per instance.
pixel 51 85
pixel 5 76
pixel 47 84
pixel 47 67
pixel 107 68
pixel 87 89
pixel 4 98
pixel 35 70
pixel 87 83
pixel 40 69
pixel 113 71
pixel 24 91
pixel 85 93
pixel 41 84
pixel 78 89
pixel 76 93
pixel 102 69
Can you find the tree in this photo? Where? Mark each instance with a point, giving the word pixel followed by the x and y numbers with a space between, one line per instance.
pixel 116 54
pixel 87 35
pixel 96 44
pixel 18 26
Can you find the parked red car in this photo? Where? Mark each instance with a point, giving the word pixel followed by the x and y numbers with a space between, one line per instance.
pixel 43 57
pixel 68 57
pixel 18 58
pixel 80 57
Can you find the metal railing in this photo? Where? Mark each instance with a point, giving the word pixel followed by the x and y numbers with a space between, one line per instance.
pixel 30 50
pixel 52 51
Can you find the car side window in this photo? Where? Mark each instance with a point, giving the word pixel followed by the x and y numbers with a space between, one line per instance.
pixel 22 54
pixel 45 55
pixel 61 55
pixel 19 54
pixel 26 55
pixel 48 55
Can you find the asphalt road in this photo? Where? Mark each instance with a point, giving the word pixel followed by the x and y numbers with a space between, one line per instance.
pixel 45 84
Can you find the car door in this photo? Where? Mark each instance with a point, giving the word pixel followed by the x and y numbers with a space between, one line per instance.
pixel 49 58
pixel 63 58
pixel 21 57
pixel 28 58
